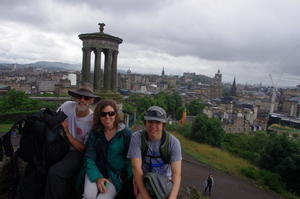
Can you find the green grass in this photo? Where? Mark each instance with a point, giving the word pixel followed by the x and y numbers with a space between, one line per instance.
pixel 5 127
pixel 214 157
pixel 229 163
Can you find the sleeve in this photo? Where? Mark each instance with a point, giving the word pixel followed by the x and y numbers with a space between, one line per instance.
pixel 66 107
pixel 63 106
pixel 90 160
pixel 175 149
pixel 134 150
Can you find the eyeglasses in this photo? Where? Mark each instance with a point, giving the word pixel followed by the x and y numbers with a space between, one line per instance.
pixel 154 114
pixel 110 114
pixel 84 97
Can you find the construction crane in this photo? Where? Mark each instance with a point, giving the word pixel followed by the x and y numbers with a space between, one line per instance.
pixel 274 93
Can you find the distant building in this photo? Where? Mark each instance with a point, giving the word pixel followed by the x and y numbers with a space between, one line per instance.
pixel 233 89
pixel 4 89
pixel 73 78
pixel 236 117
pixel 284 124
pixel 163 72
pixel 189 75
pixel 46 86
pixel 216 86
pixel 291 106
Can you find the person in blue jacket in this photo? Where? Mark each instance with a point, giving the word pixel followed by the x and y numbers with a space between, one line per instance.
pixel 105 161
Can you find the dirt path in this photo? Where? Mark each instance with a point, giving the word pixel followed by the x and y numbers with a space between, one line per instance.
pixel 225 186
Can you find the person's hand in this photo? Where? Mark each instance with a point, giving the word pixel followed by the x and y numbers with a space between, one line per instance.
pixel 65 126
pixel 101 184
pixel 147 197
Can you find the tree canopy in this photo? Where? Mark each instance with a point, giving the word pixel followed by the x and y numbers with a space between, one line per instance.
pixel 172 103
pixel 282 155
pixel 195 107
pixel 207 130
pixel 14 101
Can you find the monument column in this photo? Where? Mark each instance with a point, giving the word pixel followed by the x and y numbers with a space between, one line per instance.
pixel 86 65
pixel 114 78
pixel 83 75
pixel 97 69
pixel 107 69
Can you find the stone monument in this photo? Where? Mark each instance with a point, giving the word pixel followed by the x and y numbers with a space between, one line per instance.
pixel 100 44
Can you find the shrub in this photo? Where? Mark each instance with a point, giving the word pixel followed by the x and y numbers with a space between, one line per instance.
pixel 250 172
pixel 272 180
pixel 207 130
pixel 184 130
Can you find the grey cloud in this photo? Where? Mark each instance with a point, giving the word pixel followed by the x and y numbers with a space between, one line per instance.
pixel 256 34
pixel 125 7
pixel 27 11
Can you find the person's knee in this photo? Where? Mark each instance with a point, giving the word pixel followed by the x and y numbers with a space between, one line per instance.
pixel 89 195
pixel 53 174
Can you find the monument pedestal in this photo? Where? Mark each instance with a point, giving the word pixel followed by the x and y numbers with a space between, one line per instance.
pixel 114 95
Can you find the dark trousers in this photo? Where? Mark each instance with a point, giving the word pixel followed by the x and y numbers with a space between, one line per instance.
pixel 60 174
pixel 209 189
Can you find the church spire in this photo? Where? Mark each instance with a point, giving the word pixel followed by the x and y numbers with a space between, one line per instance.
pixel 233 88
pixel 163 72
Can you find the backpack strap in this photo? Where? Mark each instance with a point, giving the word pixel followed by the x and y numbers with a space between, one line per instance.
pixel 144 144
pixel 163 149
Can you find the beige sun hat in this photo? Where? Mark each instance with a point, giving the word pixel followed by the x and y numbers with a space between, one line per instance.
pixel 84 90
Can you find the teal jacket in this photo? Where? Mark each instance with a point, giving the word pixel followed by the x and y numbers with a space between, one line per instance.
pixel 117 148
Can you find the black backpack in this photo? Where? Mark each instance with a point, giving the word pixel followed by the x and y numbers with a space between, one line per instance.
pixel 42 143
pixel 42 137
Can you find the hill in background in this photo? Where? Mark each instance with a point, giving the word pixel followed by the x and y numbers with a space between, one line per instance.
pixel 50 66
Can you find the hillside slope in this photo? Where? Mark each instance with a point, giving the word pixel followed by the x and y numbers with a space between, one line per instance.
pixel 226 186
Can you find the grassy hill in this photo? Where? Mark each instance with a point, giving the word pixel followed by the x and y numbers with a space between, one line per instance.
pixel 214 157
pixel 228 163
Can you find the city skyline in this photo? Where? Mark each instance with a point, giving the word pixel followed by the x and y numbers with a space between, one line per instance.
pixel 249 39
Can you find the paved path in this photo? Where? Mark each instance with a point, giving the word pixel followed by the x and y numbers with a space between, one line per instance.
pixel 225 186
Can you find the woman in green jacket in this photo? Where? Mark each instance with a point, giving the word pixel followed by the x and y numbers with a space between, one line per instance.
pixel 106 164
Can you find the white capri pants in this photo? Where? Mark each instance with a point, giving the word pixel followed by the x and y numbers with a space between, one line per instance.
pixel 91 190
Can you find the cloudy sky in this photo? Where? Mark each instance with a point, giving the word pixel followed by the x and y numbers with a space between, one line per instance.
pixel 249 39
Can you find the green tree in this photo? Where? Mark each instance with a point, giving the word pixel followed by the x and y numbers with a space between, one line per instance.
pixel 14 101
pixel 139 103
pixel 246 146
pixel 179 112
pixel 172 103
pixel 206 130
pixel 282 156
pixel 195 107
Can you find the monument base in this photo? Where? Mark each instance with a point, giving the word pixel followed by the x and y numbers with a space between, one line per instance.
pixel 114 95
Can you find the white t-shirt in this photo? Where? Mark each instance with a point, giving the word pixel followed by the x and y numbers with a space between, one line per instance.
pixel 79 127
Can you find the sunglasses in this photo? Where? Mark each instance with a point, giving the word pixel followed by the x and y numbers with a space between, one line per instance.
pixel 154 114
pixel 110 114
pixel 84 97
